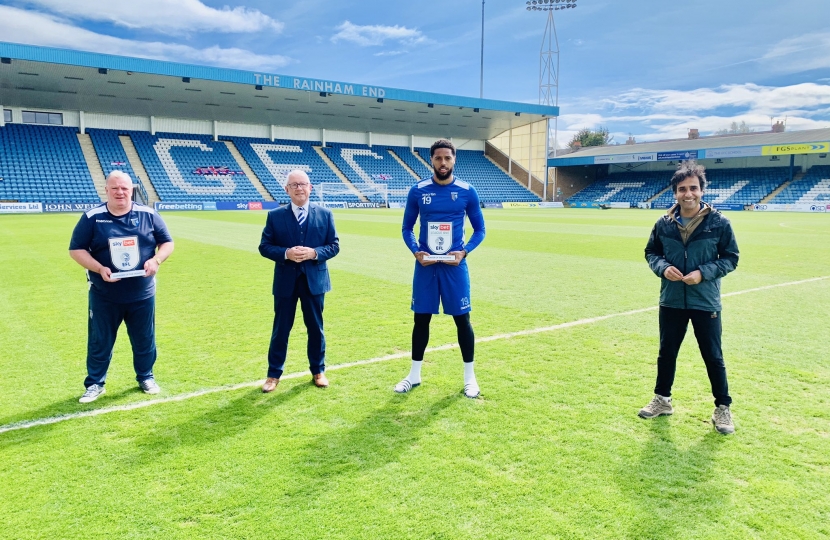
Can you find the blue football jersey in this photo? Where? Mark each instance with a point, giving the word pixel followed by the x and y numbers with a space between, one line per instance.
pixel 442 209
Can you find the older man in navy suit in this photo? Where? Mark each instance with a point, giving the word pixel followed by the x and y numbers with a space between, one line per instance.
pixel 299 238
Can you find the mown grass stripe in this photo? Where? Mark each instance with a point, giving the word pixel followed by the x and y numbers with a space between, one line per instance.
pixel 25 424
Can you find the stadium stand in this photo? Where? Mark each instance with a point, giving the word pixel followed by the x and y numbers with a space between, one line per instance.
pixel 726 186
pixel 735 186
pixel 412 161
pixel 188 168
pixel 110 152
pixel 491 183
pixel 366 167
pixel 631 187
pixel 813 186
pixel 43 164
pixel 271 161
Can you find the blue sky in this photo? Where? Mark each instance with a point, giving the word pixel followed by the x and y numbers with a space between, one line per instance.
pixel 649 68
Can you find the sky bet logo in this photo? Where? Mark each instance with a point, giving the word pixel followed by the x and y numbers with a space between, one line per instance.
pixel 125 243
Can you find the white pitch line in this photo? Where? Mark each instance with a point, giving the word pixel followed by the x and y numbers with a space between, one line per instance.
pixel 25 424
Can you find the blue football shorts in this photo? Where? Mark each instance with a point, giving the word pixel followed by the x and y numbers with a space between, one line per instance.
pixel 441 282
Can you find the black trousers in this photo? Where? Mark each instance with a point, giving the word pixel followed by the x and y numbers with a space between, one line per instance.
pixel 707 327
pixel 284 311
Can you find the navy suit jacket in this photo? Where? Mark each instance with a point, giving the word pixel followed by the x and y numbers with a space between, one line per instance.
pixel 281 233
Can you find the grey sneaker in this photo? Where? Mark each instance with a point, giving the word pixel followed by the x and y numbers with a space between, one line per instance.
pixel 92 393
pixel 658 406
pixel 722 419
pixel 149 386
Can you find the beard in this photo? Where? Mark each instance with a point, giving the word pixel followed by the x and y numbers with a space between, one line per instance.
pixel 440 176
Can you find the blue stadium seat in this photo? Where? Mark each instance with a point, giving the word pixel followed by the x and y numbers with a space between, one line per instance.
pixel 192 168
pixel 271 161
pixel 726 186
pixel 43 164
pixel 111 152
pixel 814 186
pixel 366 167
pixel 491 183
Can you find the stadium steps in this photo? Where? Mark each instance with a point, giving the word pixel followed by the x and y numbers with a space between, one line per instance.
pixel 491 148
pixel 339 173
pixel 520 182
pixel 93 165
pixel 404 165
pixel 659 194
pixel 422 160
pixel 248 171
pixel 781 188
pixel 138 167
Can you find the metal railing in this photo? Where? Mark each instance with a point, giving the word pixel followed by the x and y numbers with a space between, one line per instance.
pixel 140 194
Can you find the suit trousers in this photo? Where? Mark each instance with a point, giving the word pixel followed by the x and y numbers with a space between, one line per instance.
pixel 707 327
pixel 284 311
pixel 102 328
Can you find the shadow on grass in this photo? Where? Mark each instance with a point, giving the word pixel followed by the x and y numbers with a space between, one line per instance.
pixel 71 406
pixel 379 439
pixel 673 490
pixel 224 421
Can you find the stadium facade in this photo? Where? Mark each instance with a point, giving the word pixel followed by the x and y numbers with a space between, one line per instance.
pixel 759 171
pixel 200 137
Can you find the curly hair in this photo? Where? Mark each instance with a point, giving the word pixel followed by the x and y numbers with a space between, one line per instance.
pixel 687 169
pixel 441 143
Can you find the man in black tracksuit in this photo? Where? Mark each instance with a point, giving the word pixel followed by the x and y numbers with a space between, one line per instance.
pixel 691 248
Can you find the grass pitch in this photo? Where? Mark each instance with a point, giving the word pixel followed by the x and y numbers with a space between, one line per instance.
pixel 553 449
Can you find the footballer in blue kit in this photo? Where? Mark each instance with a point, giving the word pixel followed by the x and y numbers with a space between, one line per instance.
pixel 117 243
pixel 442 202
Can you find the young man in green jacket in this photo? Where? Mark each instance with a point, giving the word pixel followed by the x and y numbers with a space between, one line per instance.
pixel 691 248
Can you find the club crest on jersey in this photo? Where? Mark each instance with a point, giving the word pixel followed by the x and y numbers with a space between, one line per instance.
pixel 134 221
pixel 426 199
pixel 454 195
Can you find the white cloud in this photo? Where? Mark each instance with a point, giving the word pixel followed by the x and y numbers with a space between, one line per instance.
pixel 165 16
pixel 37 29
pixel 651 115
pixel 390 53
pixel 767 99
pixel 377 35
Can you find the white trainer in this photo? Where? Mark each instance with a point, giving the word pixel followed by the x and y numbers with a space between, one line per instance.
pixel 405 386
pixel 471 390
pixel 92 393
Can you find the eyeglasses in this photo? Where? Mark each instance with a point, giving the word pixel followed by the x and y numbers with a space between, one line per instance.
pixel 297 186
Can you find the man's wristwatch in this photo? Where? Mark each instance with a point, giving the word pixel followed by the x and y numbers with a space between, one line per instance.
pixel 465 253
pixel 158 262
